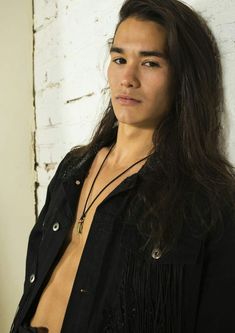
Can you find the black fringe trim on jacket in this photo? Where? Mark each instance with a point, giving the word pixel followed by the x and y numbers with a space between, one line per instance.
pixel 149 298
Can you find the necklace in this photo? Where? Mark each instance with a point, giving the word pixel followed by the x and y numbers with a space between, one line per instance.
pixel 82 218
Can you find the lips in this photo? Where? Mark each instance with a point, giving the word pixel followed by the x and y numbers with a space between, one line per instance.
pixel 127 97
pixel 127 101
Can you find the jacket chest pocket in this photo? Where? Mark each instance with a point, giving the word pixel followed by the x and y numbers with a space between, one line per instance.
pixel 186 251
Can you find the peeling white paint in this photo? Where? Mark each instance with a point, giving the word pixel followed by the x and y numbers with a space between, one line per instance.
pixel 50 166
pixel 78 98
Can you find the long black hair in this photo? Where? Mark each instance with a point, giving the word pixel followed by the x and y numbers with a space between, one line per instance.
pixel 193 179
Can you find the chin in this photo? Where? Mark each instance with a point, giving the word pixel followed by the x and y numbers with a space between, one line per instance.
pixel 133 123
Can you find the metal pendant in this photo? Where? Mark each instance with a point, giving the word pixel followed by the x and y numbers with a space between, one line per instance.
pixel 80 224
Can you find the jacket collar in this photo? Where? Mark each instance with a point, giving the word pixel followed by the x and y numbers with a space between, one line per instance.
pixel 80 166
pixel 76 172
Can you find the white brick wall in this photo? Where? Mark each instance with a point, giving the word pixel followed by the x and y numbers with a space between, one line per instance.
pixel 70 45
pixel 70 50
pixel 221 18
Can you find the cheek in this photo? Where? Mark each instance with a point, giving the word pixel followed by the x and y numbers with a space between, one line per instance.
pixel 160 86
pixel 110 73
pixel 112 79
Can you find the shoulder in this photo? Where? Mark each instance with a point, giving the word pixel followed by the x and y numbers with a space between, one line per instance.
pixel 68 162
pixel 71 160
pixel 220 247
pixel 77 158
pixel 218 287
pixel 225 229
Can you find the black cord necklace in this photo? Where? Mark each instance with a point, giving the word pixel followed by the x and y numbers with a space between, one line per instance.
pixel 81 220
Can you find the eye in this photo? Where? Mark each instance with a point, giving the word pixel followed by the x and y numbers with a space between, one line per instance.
pixel 152 64
pixel 117 59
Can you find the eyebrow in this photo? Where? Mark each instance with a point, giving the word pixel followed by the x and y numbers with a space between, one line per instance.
pixel 154 53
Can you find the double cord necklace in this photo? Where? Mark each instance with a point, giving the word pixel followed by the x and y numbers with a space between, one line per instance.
pixel 82 219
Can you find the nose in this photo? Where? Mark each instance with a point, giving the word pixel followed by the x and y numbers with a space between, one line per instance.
pixel 129 78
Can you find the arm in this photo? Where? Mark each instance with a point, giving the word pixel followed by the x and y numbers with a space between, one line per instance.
pixel 217 296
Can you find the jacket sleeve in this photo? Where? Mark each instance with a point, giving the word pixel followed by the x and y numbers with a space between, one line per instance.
pixel 217 296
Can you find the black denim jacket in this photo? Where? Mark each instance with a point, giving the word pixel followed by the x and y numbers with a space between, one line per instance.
pixel 119 287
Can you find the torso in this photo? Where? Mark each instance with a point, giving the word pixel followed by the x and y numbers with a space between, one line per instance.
pixel 54 299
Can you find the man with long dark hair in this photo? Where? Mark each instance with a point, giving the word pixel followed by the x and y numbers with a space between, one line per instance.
pixel 138 231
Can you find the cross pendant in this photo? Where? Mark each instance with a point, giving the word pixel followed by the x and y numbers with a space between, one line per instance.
pixel 80 224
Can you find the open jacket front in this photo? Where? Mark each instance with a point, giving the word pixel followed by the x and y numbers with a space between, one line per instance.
pixel 120 286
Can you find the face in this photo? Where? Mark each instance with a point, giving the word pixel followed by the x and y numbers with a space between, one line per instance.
pixel 143 78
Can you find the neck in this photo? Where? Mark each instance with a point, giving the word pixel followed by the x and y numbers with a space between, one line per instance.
pixel 131 145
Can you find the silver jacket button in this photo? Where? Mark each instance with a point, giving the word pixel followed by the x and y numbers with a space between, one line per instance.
pixel 83 290
pixel 156 253
pixel 56 226
pixel 32 278
pixel 77 182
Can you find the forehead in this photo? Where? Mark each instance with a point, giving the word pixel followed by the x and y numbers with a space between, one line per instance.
pixel 136 32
